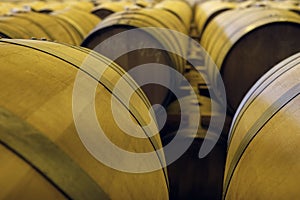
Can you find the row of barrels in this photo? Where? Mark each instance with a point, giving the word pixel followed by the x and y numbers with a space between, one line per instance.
pixel 256 47
pixel 39 109
pixel 246 40
pixel 45 6
pixel 207 10
pixel 267 116
pixel 189 177
pixel 36 122
pixel 44 109
pixel 69 25
pixel 43 154
pixel 54 163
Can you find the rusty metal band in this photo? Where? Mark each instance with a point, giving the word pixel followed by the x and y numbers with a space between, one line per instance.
pixel 47 158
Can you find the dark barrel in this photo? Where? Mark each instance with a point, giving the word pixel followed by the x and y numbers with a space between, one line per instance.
pixel 244 46
pixel 192 177
pixel 142 18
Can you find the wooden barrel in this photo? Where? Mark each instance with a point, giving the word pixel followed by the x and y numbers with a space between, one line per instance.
pixel 40 26
pixel 80 5
pixel 286 5
pixel 51 7
pixel 5 7
pixel 82 21
pixel 206 11
pixel 243 45
pixel 33 5
pixel 42 156
pixel 26 28
pixel 263 153
pixel 43 6
pixel 143 3
pixel 108 8
pixel 253 3
pixel 293 6
pixel 9 31
pixel 193 178
pixel 141 18
pixel 180 8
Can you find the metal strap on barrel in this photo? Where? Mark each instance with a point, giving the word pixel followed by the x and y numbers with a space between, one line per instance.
pixel 47 158
pixel 256 127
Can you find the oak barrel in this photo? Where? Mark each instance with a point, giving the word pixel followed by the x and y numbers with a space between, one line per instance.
pixel 38 25
pixel 42 156
pixel 82 21
pixel 263 147
pixel 206 11
pixel 180 8
pixel 244 46
pixel 143 18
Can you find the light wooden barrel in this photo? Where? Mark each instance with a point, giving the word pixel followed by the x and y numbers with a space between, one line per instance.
pixel 263 154
pixel 40 26
pixel 244 46
pixel 81 5
pixel 206 11
pixel 141 18
pixel 49 6
pixel 180 8
pixel 42 156
pixel 33 5
pixel 5 7
pixel 82 21
pixel 9 31
pixel 288 5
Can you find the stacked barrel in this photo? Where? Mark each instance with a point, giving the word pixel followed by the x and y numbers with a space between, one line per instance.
pixel 246 40
pixel 67 22
pixel 217 77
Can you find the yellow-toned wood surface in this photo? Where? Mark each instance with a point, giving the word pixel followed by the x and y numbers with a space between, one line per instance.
pixel 39 26
pixel 82 21
pixel 56 5
pixel 206 11
pixel 182 9
pixel 37 79
pixel 263 154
